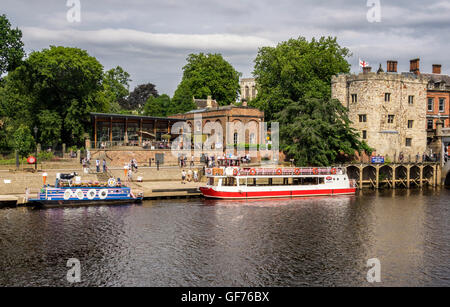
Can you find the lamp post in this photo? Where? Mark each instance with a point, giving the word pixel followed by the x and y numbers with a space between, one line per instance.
pixel 35 129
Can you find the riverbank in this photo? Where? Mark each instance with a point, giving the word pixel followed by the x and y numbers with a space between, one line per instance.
pixel 164 182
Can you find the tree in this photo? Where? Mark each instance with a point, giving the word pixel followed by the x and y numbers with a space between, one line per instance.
pixel 50 124
pixel 297 69
pixel 182 100
pixel 158 106
pixel 208 75
pixel 116 88
pixel 139 96
pixel 317 132
pixel 23 140
pixel 11 46
pixel 65 81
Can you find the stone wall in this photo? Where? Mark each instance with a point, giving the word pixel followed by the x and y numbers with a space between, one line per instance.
pixel 370 89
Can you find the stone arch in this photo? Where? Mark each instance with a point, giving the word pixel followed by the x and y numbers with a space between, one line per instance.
pixel 353 172
pixel 400 172
pixel 414 172
pixel 385 174
pixel 369 172
pixel 447 180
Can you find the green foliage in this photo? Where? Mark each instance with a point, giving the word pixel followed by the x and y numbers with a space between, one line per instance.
pixel 207 75
pixel 139 96
pixel 23 141
pixel 296 69
pixel 182 100
pixel 317 132
pixel 158 106
pixel 60 85
pixel 115 88
pixel 45 156
pixel 51 125
pixel 11 46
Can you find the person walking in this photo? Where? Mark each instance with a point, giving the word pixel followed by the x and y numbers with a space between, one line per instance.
pixel 97 165
pixel 104 166
pixel 189 175
pixel 183 176
pixel 195 175
pixel 192 161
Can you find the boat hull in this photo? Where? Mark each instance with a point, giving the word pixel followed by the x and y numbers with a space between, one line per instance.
pixel 77 203
pixel 212 193
pixel 80 196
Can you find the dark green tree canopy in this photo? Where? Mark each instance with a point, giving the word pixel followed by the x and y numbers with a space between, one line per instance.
pixel 65 81
pixel 11 46
pixel 317 132
pixel 115 88
pixel 297 69
pixel 139 96
pixel 157 106
pixel 207 75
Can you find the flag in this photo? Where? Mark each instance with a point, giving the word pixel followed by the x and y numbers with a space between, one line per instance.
pixel 363 63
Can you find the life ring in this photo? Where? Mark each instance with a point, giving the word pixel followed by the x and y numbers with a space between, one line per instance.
pixel 315 171
pixel 79 193
pixel 252 172
pixel 279 171
pixel 91 193
pixel 111 182
pixel 103 193
pixel 67 194
pixel 297 171
pixel 235 172
pixel 333 171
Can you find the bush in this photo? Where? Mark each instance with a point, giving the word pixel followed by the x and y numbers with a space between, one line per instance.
pixel 45 156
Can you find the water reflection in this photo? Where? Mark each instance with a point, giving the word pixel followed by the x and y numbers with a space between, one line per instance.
pixel 283 242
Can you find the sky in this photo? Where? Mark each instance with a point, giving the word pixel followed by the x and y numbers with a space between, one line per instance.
pixel 151 39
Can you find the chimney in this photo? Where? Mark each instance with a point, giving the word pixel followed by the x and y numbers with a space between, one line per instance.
pixel 367 69
pixel 391 66
pixel 414 66
pixel 209 102
pixel 437 69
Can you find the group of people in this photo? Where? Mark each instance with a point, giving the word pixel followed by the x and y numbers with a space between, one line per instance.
pixel 189 176
pixel 182 161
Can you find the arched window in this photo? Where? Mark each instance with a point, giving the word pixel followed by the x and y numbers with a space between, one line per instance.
pixel 235 138
pixel 252 138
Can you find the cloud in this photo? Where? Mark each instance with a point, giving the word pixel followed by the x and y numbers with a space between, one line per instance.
pixel 151 39
pixel 124 38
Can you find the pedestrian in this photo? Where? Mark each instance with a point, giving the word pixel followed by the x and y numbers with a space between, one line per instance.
pixel 97 165
pixel 104 166
pixel 135 165
pixel 189 175
pixel 130 172
pixel 192 161
pixel 157 164
pixel 195 175
pixel 183 176
pixel 417 158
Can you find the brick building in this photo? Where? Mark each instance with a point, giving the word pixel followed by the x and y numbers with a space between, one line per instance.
pixel 387 108
pixel 245 122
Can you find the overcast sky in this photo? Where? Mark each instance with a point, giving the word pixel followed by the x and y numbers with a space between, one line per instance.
pixel 151 39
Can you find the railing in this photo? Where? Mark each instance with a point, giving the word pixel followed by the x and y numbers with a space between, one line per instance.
pixel 274 171
pixel 150 145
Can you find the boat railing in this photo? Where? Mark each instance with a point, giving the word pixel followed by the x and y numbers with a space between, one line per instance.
pixel 300 171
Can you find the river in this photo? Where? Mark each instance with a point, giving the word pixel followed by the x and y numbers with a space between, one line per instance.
pixel 322 241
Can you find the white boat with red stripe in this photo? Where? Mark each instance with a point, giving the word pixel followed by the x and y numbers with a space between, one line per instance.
pixel 254 183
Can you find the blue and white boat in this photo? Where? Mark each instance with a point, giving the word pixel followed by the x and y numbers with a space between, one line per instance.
pixel 67 191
